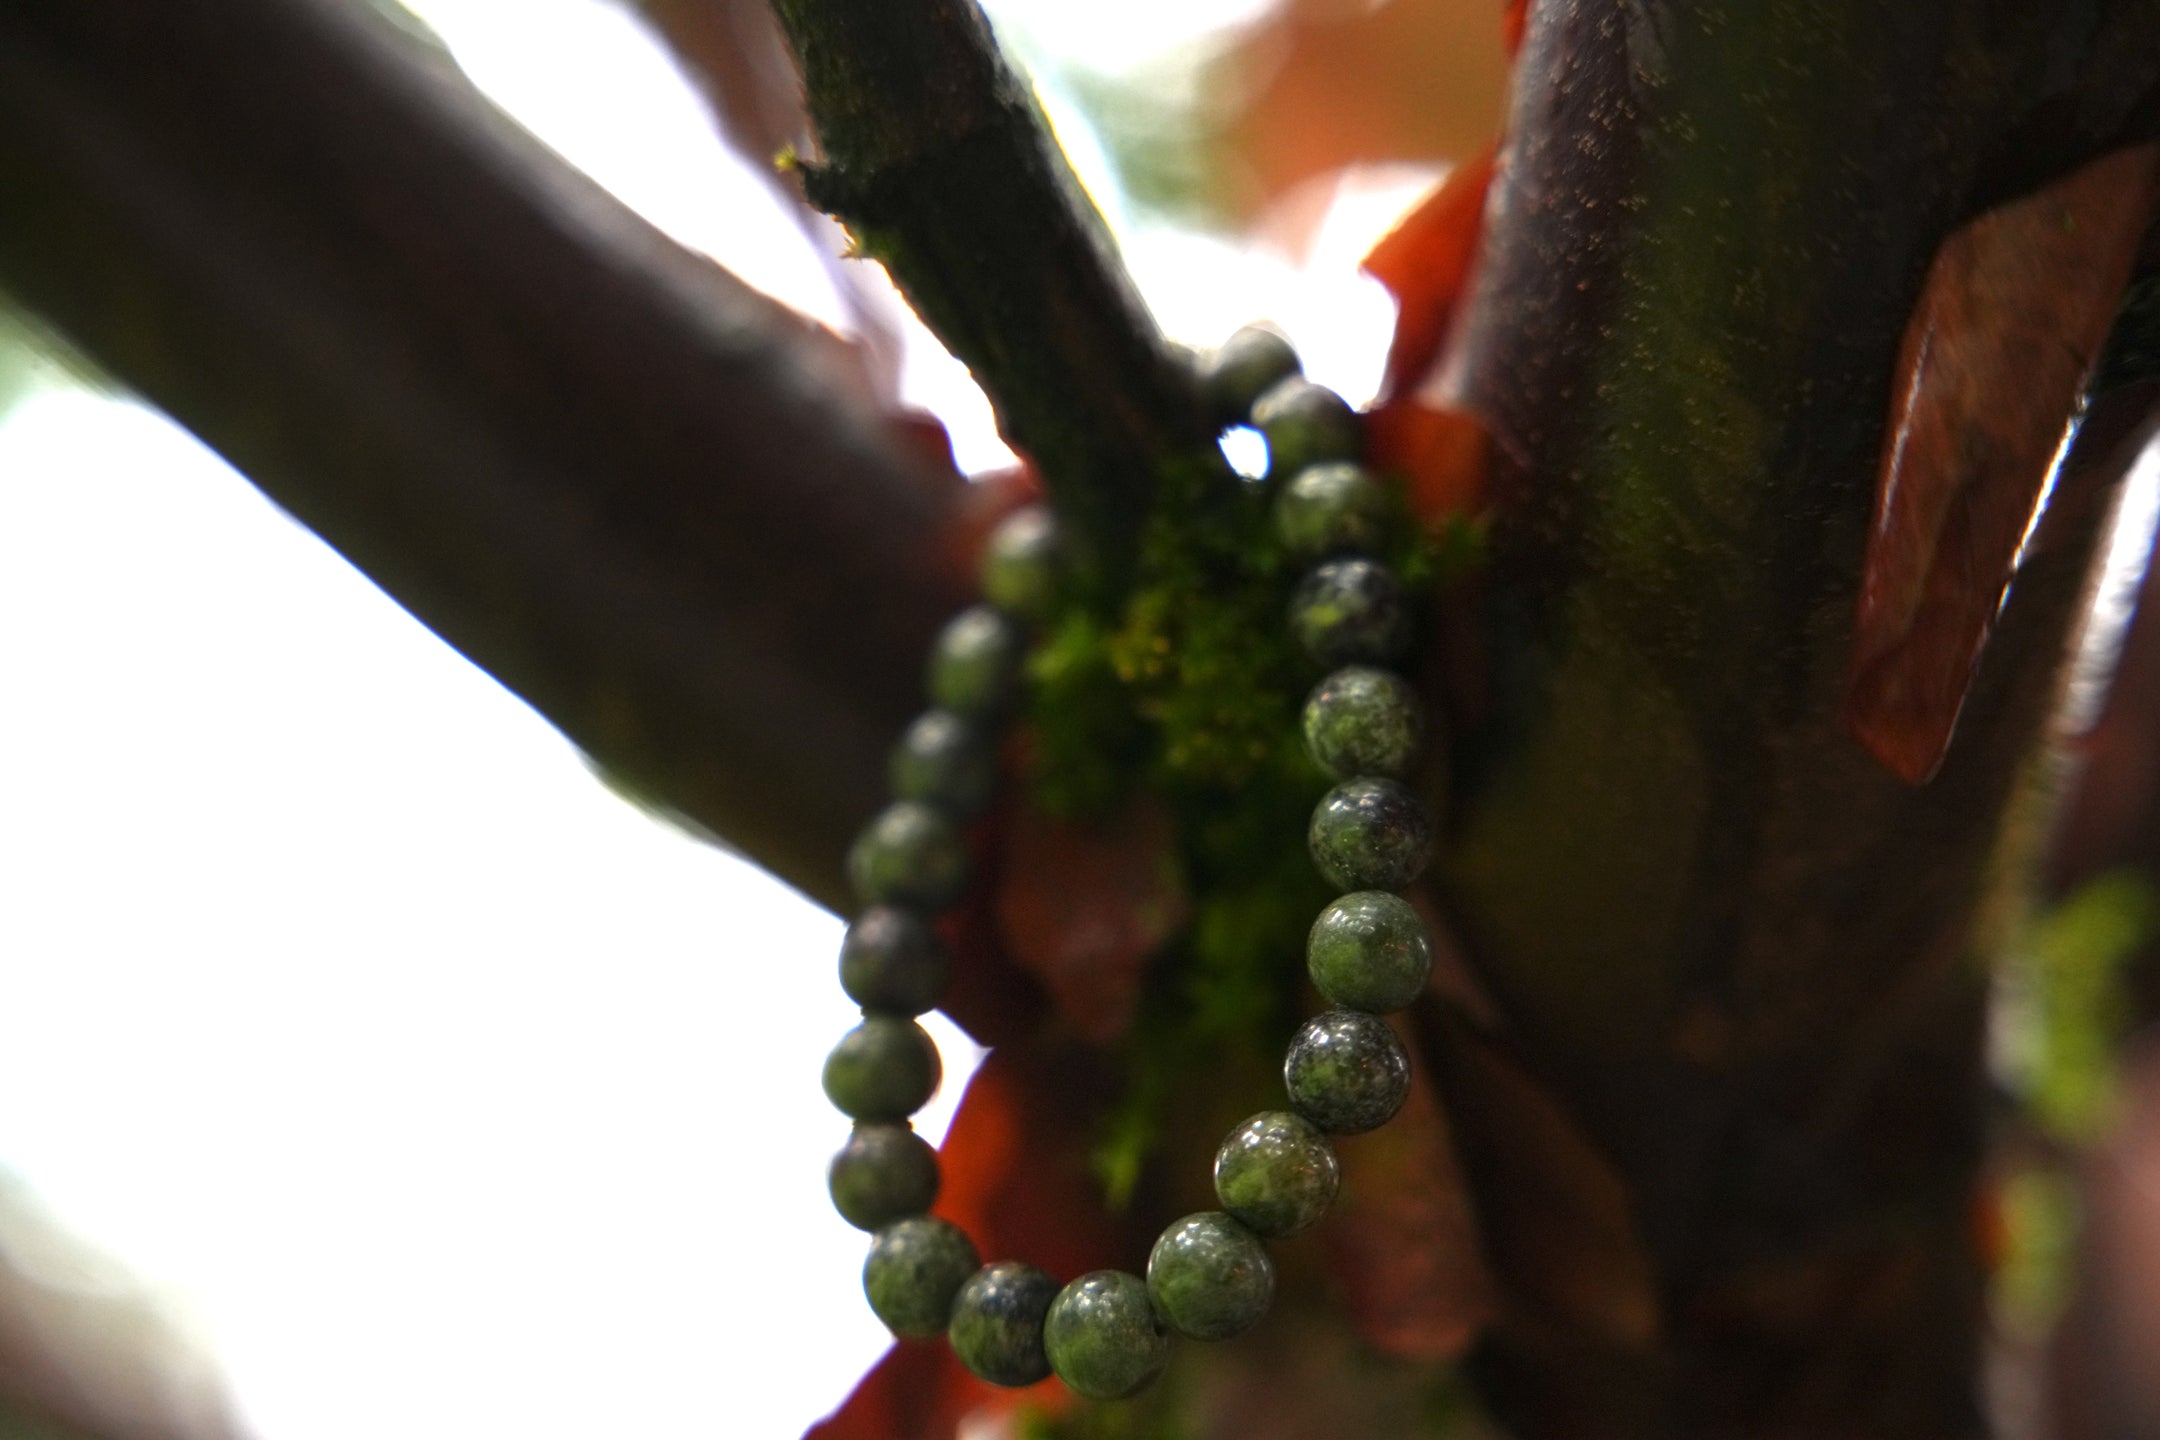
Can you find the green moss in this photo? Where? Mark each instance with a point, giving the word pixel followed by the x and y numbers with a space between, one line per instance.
pixel 1192 691
pixel 2041 1219
pixel 1162 1412
pixel 2069 1022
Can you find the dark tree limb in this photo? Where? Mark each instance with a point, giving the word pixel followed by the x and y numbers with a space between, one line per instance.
pixel 938 160
pixel 642 495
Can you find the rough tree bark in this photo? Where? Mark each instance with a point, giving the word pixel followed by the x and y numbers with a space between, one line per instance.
pixel 1725 1130
pixel 1736 948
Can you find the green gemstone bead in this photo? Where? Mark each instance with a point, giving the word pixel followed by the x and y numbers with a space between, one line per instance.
pixel 1276 1173
pixel 1024 564
pixel 884 1173
pixel 1362 721
pixel 945 760
pixel 1210 1277
pixel 915 1271
pixel 1346 1072
pixel 1249 364
pixel 883 1069
pixel 1370 951
pixel 1350 612
pixel 1369 835
pixel 1330 508
pixel 975 664
pixel 997 1323
pixel 1305 424
pixel 911 854
pixel 1103 1336
pixel 893 962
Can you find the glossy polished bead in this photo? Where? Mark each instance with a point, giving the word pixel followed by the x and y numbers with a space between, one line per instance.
pixel 1362 721
pixel 1276 1173
pixel 1346 1072
pixel 975 665
pixel 1333 507
pixel 1024 564
pixel 915 1270
pixel 1370 951
pixel 1249 364
pixel 997 1323
pixel 1350 612
pixel 909 854
pixel 884 1173
pixel 1369 835
pixel 1305 424
pixel 945 760
pixel 1103 1336
pixel 1210 1277
pixel 893 962
pixel 883 1069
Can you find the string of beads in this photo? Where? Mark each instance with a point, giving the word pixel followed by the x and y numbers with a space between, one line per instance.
pixel 1107 1334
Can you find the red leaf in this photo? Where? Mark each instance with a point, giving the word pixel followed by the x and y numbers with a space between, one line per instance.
pixel 1442 456
pixel 2016 307
pixel 1084 906
pixel 1017 1180
pixel 924 436
pixel 1423 262
pixel 917 1392
pixel 1512 21
pixel 1403 1241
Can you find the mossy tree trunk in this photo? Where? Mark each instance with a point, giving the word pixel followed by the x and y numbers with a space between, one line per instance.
pixel 1736 950
pixel 1725 1120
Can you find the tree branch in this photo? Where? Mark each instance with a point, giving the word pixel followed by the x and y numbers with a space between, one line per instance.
pixel 645 497
pixel 940 164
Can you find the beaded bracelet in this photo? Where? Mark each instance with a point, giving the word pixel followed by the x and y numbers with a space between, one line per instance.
pixel 1107 1334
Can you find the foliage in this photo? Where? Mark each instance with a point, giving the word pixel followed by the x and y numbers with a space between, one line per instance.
pixel 2074 1012
pixel 1191 692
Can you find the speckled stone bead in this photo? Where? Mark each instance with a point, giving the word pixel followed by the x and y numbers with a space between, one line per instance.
pixel 1370 951
pixel 997 1323
pixel 1103 1336
pixel 1369 835
pixel 975 665
pixel 893 962
pixel 1350 612
pixel 883 1069
pixel 884 1173
pixel 909 854
pixel 1362 721
pixel 1210 1277
pixel 1334 507
pixel 1276 1173
pixel 945 760
pixel 1346 1072
pixel 1024 564
pixel 1305 424
pixel 915 1270
pixel 1249 364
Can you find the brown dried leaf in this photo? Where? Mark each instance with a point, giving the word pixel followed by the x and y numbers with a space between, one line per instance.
pixel 2016 307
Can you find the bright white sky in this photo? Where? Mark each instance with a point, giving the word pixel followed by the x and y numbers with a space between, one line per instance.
pixel 447 1093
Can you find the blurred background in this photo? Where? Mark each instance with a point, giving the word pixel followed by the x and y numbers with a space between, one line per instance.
pixel 366 1064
